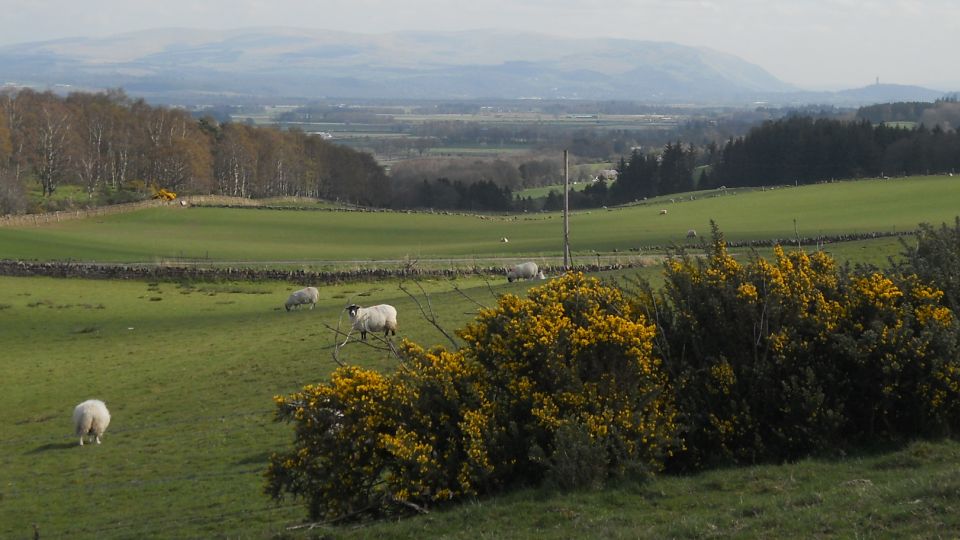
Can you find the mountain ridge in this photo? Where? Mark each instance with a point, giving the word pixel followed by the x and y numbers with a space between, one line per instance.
pixel 311 63
pixel 283 62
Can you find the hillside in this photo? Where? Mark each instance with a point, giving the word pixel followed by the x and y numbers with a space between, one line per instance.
pixel 321 238
pixel 180 63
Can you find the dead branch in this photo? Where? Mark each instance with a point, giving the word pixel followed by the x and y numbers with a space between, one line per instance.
pixel 490 287
pixel 465 295
pixel 431 317
pixel 337 346
pixel 419 509
pixel 387 345
pixel 316 524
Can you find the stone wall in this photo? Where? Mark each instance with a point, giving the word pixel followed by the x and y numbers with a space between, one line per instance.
pixel 301 277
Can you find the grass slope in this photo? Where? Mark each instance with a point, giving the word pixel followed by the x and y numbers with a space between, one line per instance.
pixel 189 370
pixel 221 234
pixel 188 373
pixel 911 492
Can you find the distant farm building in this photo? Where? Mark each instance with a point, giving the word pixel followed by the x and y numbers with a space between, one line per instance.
pixel 606 175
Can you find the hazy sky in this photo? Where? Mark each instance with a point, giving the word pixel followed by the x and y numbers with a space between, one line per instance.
pixel 815 44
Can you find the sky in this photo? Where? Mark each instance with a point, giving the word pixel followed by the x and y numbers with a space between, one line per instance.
pixel 813 44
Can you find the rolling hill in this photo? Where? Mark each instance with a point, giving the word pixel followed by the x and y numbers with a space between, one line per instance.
pixel 173 63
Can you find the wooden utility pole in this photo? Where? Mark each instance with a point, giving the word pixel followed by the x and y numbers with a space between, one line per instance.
pixel 566 212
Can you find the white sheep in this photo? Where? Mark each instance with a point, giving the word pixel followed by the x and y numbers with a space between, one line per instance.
pixel 527 270
pixel 90 418
pixel 308 295
pixel 382 317
pixel 540 275
pixel 505 240
pixel 663 212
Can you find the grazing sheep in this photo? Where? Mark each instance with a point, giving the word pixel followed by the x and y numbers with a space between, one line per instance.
pixel 382 317
pixel 691 233
pixel 540 275
pixel 663 212
pixel 90 418
pixel 527 270
pixel 505 240
pixel 308 295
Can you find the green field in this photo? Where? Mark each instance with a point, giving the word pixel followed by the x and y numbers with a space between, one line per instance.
pixel 400 121
pixel 189 369
pixel 312 239
pixel 539 192
pixel 188 372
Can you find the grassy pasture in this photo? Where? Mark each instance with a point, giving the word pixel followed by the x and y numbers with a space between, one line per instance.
pixel 539 192
pixel 188 372
pixel 911 492
pixel 312 238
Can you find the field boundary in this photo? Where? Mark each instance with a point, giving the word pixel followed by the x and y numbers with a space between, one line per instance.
pixel 27 220
pixel 302 277
pixel 222 201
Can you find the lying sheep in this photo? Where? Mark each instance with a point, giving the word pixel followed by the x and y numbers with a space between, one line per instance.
pixel 663 212
pixel 90 418
pixel 309 295
pixel 527 270
pixel 382 317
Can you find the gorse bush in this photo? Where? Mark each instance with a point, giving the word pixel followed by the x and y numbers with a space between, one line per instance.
pixel 935 258
pixel 560 386
pixel 574 353
pixel 730 362
pixel 775 360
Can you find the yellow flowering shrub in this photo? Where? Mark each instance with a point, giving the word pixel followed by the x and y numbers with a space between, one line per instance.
pixel 574 353
pixel 774 359
pixel 548 387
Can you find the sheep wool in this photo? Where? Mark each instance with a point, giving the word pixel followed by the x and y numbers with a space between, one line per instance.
pixel 91 418
pixel 308 295
pixel 527 270
pixel 379 318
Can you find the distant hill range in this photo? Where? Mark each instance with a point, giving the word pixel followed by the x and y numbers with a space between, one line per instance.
pixel 209 66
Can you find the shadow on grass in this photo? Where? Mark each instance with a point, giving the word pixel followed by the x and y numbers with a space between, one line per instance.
pixel 53 446
pixel 256 459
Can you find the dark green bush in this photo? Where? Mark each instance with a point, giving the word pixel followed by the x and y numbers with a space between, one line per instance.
pixel 934 256
pixel 774 360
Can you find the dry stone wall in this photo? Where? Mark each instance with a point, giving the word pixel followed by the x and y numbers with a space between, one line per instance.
pixel 302 277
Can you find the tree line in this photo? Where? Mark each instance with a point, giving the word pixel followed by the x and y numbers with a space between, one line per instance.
pixel 107 143
pixel 802 150
pixel 113 147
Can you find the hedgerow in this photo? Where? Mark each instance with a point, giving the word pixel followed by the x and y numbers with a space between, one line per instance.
pixel 560 386
pixel 730 362
pixel 774 360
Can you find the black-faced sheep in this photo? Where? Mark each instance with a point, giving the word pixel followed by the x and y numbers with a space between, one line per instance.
pixel 90 418
pixel 308 295
pixel 527 270
pixel 379 318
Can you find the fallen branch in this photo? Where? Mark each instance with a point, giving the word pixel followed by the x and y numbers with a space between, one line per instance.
pixel 412 506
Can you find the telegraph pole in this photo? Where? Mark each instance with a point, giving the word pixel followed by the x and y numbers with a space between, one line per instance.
pixel 566 212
